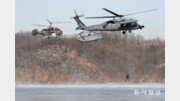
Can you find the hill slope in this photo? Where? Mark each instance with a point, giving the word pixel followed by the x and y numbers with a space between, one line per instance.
pixel 40 60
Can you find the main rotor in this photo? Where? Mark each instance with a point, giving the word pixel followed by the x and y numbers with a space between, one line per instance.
pixel 50 23
pixel 118 15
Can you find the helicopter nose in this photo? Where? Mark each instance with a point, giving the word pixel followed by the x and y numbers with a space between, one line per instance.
pixel 141 27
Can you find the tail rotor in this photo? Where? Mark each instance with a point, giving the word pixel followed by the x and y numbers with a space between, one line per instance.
pixel 79 22
pixel 76 15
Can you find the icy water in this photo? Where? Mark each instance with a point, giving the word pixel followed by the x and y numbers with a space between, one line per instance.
pixel 98 92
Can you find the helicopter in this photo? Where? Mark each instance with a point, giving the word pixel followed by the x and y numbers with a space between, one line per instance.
pixel 50 31
pixel 118 23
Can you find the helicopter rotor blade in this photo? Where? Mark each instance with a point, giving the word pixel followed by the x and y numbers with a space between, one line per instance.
pixel 49 22
pixel 140 12
pixel 61 22
pixel 82 15
pixel 113 13
pixel 100 17
pixel 75 12
pixel 117 15
pixel 76 15
pixel 40 25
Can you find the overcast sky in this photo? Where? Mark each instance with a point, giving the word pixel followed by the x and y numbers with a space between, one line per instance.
pixel 28 12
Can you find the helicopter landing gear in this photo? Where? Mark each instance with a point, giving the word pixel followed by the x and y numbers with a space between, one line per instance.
pixel 124 32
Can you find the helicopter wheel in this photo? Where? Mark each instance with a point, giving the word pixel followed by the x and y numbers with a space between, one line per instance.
pixel 124 32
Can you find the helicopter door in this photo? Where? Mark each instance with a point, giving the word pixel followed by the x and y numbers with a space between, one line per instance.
pixel 53 34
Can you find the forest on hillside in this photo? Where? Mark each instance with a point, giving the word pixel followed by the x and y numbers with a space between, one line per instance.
pixel 65 60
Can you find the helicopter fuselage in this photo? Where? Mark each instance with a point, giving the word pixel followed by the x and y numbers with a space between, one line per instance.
pixel 114 25
pixel 48 32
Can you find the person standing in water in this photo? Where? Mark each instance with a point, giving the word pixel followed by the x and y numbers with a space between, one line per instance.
pixel 127 77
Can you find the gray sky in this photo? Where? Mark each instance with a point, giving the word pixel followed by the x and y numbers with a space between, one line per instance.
pixel 30 12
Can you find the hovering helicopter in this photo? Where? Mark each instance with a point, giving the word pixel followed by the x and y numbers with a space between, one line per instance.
pixel 118 23
pixel 49 32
